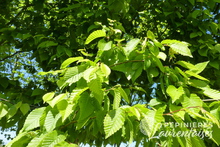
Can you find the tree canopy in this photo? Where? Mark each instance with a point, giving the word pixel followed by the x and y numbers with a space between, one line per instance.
pixel 109 72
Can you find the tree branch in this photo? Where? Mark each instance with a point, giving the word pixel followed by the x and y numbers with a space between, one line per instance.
pixel 11 55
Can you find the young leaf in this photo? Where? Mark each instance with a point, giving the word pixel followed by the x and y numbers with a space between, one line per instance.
pixel 179 47
pixel 94 35
pixel 113 121
pixel 175 93
pixel 33 119
pixel 105 69
pixel 68 61
pixel 48 96
pixel 162 56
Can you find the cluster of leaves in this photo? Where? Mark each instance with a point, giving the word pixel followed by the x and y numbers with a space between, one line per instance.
pixel 40 35
pixel 95 109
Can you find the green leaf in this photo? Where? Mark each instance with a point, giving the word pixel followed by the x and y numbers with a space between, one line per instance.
pixel 104 46
pixel 58 99
pixel 48 96
pixel 217 47
pixel 154 102
pixel 65 109
pixel 190 73
pixel 86 110
pixel 46 44
pixel 117 99
pixel 131 130
pixel 212 93
pixel 192 2
pixel 199 67
pixel 113 121
pixel 33 119
pixel 20 140
pixel 37 91
pixel 95 86
pixel 133 111
pixel 150 35
pixel 193 101
pixel 162 56
pixel 198 83
pixel 94 35
pixel 130 46
pixel 212 117
pixel 68 61
pixel 175 93
pixel 179 47
pixel 89 72
pixel 186 64
pixel 11 111
pixel 3 110
pixel 75 94
pixel 51 120
pixel 149 124
pixel 105 69
pixel 24 108
pixel 51 139
pixel 124 94
pixel 153 72
pixel 177 111
pixel 195 13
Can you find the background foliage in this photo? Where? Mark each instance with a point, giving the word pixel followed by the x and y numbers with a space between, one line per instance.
pixel 111 68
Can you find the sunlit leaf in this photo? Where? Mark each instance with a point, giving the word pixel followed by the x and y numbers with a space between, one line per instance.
pixel 33 119
pixel 113 121
pixel 68 61
pixel 179 47
pixel 94 35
